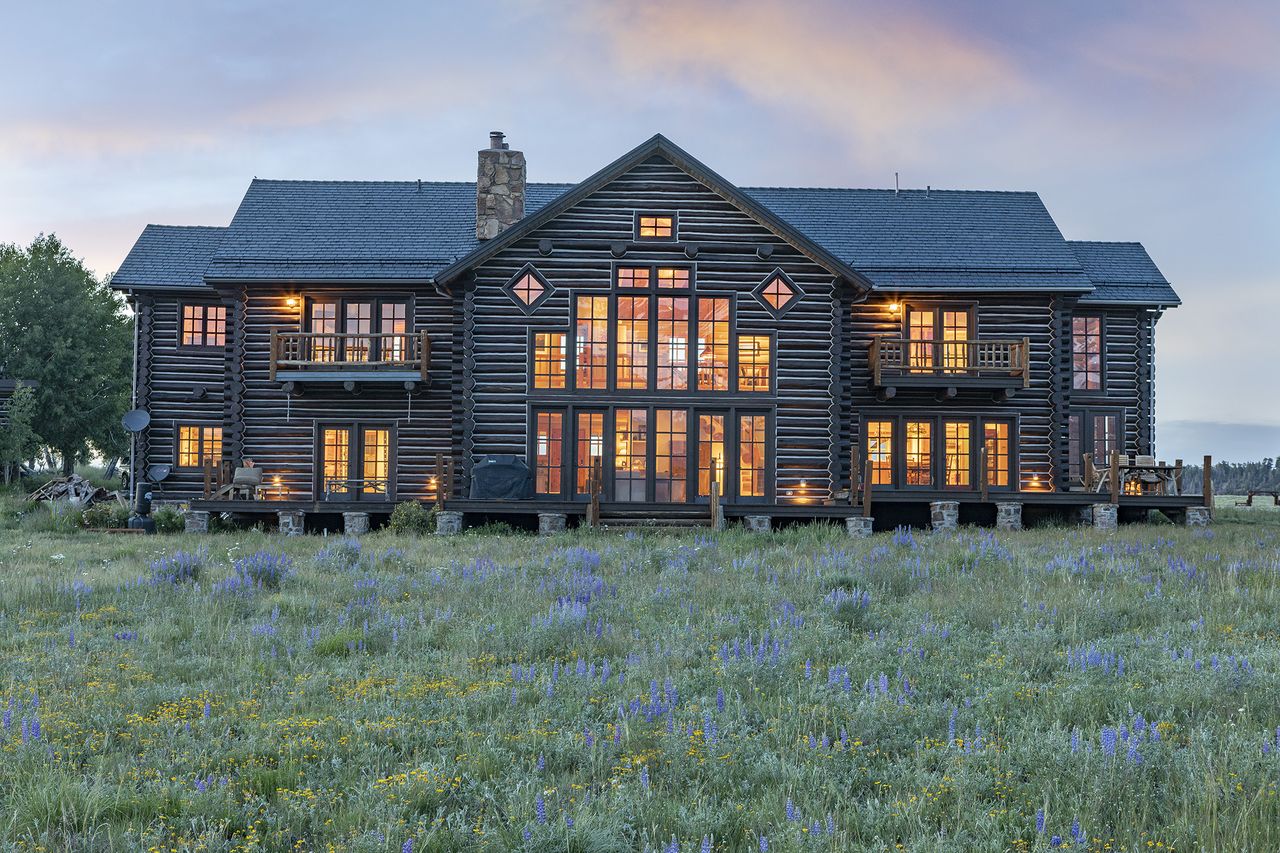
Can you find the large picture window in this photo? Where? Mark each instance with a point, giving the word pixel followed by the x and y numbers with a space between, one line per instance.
pixel 919 453
pixel 356 461
pixel 671 455
pixel 957 459
pixel 751 456
pixel 204 325
pixel 880 451
pixel 711 459
pixel 673 343
pixel 938 337
pixel 633 343
pixel 753 362
pixel 999 470
pixel 590 450
pixel 631 460
pixel 198 445
pixel 1086 353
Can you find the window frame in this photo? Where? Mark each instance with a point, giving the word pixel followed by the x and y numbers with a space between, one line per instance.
pixel 509 288
pixel 977 421
pixel 772 337
pixel 202 426
pixel 759 290
pixel 1075 463
pixel 531 374
pixel 1102 352
pixel 675 226
pixel 567 428
pixel 341 300
pixel 938 309
pixel 355 456
pixel 183 305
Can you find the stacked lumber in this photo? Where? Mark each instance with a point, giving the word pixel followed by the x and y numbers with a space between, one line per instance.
pixel 75 489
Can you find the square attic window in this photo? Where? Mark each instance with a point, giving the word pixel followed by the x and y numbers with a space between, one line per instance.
pixel 655 226
pixel 528 289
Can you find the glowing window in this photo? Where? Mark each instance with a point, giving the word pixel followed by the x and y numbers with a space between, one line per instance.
pixel 633 342
pixel 751 449
pixel 753 362
pixel 778 293
pixel 631 454
pixel 549 352
pixel 204 325
pixel 710 453
pixel 376 469
pixel 671 455
pixel 713 344
pixel 591 343
pixel 633 277
pixel 673 278
pixel 650 227
pixel 996 445
pixel 880 452
pixel 548 452
pixel 957 457
pixel 198 444
pixel 673 343
pixel 590 457
pixel 919 453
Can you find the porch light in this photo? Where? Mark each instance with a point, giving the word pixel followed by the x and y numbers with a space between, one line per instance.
pixel 292 302
pixel 895 307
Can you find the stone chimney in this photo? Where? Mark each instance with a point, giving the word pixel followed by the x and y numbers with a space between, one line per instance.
pixel 499 188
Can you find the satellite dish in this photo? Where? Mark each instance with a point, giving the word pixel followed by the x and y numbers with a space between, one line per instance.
pixel 158 473
pixel 136 421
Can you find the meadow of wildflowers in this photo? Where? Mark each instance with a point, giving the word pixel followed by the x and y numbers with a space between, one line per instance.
pixel 1054 689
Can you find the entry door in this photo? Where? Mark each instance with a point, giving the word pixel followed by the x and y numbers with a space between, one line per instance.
pixel 355 462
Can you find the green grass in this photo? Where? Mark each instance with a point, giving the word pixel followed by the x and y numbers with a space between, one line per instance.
pixel 373 697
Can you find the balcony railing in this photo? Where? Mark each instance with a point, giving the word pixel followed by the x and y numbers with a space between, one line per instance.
pixel 350 352
pixel 898 360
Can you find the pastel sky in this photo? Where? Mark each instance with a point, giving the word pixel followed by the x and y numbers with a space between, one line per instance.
pixel 1150 121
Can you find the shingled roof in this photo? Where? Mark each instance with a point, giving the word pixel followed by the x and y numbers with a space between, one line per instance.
pixel 914 240
pixel 350 230
pixel 1122 273
pixel 934 240
pixel 169 256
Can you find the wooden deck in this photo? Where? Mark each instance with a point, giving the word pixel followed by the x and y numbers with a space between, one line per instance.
pixel 890 508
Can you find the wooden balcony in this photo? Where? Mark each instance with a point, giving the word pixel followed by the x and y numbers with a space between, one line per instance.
pixel 997 364
pixel 349 358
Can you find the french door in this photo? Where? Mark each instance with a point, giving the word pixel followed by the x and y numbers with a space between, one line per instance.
pixel 356 462
pixel 651 454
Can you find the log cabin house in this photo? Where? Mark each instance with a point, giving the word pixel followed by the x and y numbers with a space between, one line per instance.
pixel 640 340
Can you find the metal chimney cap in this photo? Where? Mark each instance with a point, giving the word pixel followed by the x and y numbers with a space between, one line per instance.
pixel 495 139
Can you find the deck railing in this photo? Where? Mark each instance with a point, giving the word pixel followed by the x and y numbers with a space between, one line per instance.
pixel 942 360
pixel 350 351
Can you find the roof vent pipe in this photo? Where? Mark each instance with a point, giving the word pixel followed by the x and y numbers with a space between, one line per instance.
pixel 895 183
pixel 926 190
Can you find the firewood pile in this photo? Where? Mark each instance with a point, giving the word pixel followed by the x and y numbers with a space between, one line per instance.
pixel 75 489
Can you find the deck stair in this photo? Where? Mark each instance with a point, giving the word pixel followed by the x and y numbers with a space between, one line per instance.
pixel 668 518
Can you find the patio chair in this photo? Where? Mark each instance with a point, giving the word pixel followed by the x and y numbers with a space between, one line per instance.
pixel 246 482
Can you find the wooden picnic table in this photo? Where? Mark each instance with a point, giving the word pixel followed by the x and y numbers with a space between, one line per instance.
pixel 1253 493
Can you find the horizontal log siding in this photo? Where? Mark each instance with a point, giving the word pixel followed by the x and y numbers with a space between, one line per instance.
pixel 279 430
pixel 1127 376
pixel 168 376
pixel 1002 317
pixel 496 358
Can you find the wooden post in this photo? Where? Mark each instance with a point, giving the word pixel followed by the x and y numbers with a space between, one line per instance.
pixel 448 477
pixel 439 475
pixel 853 475
pixel 275 352
pixel 1177 476
pixel 866 491
pixel 424 355
pixel 1115 476
pixel 595 487
pixel 208 477
pixel 715 505
pixel 1026 362
pixel 982 472
pixel 1208 483
pixel 875 359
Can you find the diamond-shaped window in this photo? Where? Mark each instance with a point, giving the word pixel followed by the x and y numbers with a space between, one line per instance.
pixel 778 293
pixel 528 289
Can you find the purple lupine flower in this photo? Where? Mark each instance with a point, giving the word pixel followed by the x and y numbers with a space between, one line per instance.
pixel 527 833
pixel 673 847
pixel 808 669
pixel 542 761
pixel 617 735
pixel 35 728
pixel 706 845
pixel 1108 738
pixel 540 808
pixel 407 847
pixel 951 727
pixel 1077 834
pixel 71 640
pixel 791 807
pixel 1075 741
pixel 720 699
pixel 1133 755
pixel 831 825
pixel 644 777
pixel 764 844
pixel 1055 841
pixel 207 709
pixel 568 822
pixel 1039 821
